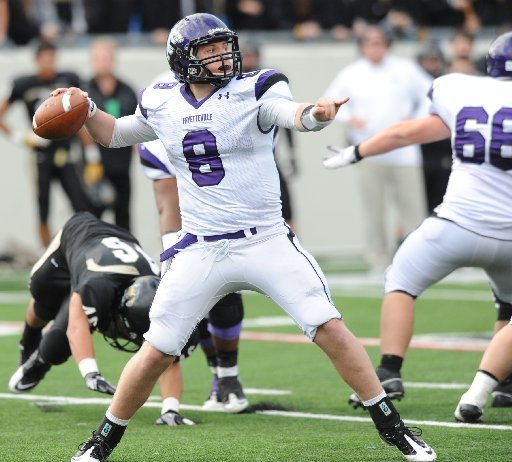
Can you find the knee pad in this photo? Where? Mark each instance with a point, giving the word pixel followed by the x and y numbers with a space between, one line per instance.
pixel 227 312
pixel 54 347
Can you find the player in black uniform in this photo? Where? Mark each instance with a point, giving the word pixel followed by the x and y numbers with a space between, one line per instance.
pixel 52 157
pixel 93 276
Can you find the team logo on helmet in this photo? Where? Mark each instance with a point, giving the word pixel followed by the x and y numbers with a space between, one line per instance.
pixel 176 37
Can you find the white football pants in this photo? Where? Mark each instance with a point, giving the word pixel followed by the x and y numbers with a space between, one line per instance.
pixel 438 247
pixel 269 262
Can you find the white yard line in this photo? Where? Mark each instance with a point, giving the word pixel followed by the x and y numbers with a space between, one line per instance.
pixel 66 400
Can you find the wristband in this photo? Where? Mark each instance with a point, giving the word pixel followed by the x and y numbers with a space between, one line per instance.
pixel 88 365
pixel 357 154
pixel 92 108
pixel 309 122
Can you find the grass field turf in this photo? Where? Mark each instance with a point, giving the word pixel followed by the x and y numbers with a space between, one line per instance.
pixel 32 431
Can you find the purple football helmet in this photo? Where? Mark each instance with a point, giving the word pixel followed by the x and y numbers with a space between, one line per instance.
pixel 499 58
pixel 184 38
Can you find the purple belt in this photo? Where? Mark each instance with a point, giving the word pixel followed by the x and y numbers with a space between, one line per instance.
pixel 190 239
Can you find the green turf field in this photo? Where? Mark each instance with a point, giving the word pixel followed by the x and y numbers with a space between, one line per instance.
pixel 40 429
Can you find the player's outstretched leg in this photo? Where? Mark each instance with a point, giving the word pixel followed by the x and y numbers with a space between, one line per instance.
pixel 135 385
pixel 353 364
pixel 471 405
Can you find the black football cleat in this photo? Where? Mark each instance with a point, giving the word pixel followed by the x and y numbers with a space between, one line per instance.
pixel 502 395
pixel 232 395
pixel 468 413
pixel 408 442
pixel 95 449
pixel 29 374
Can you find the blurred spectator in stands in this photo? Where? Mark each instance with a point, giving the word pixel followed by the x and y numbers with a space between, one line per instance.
pixel 115 97
pixel 437 157
pixel 157 17
pixel 431 58
pixel 462 54
pixel 260 14
pixel 287 168
pixel 312 17
pixel 384 89
pixel 495 13
pixel 108 16
pixel 69 15
pixel 445 13
pixel 29 20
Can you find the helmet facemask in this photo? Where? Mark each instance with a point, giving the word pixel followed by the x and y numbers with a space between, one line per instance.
pixel 182 45
pixel 198 71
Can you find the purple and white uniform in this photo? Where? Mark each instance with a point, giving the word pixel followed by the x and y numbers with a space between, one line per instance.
pixel 233 235
pixel 473 227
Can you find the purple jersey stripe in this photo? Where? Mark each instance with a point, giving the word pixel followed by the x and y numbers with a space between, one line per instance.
pixel 261 81
pixel 149 158
pixel 430 92
pixel 143 110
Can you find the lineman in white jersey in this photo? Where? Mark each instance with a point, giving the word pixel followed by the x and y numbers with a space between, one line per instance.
pixel 473 225
pixel 217 127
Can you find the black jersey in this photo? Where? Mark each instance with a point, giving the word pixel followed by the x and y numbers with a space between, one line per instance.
pixel 122 102
pixel 102 260
pixel 32 91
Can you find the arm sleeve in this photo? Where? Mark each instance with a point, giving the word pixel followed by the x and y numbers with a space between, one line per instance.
pixel 130 130
pixel 277 107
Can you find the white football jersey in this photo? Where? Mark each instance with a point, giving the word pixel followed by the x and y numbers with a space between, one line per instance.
pixel 478 111
pixel 220 150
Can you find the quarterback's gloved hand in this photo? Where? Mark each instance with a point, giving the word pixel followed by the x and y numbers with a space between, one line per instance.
pixel 342 157
pixel 173 418
pixel 94 381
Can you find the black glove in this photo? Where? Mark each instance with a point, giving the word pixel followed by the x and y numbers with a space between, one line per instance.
pixel 94 381
pixel 173 418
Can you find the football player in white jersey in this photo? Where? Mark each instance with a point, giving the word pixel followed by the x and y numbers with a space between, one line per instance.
pixel 472 227
pixel 219 333
pixel 217 127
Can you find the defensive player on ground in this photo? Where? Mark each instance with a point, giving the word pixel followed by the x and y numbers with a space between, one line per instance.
pixel 112 283
pixel 219 335
pixel 473 225
pixel 217 127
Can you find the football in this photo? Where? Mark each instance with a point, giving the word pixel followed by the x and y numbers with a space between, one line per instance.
pixel 60 117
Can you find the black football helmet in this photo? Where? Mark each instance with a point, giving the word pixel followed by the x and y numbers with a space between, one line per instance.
pixel 192 31
pixel 127 331
pixel 499 58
